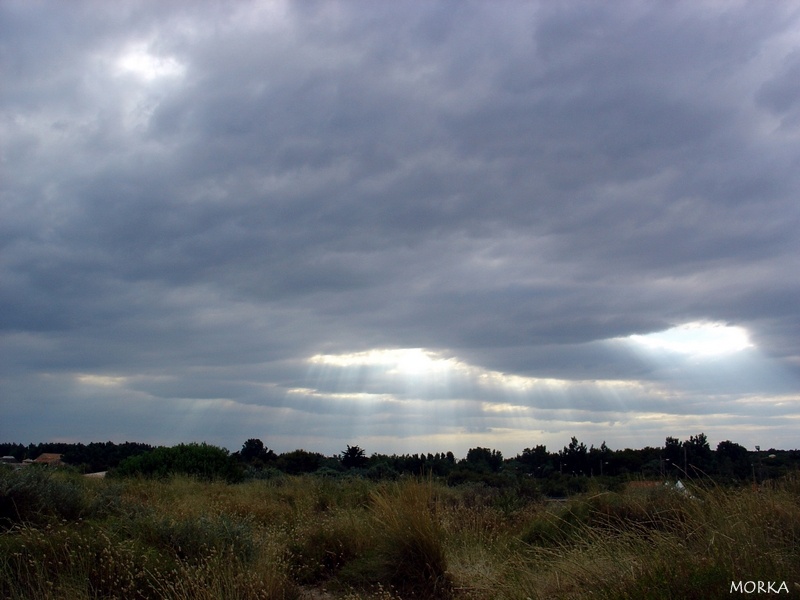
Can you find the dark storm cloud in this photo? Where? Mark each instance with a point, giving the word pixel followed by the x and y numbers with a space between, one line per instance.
pixel 196 198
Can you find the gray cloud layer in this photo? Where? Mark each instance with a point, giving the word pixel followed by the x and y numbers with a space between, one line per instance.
pixel 197 198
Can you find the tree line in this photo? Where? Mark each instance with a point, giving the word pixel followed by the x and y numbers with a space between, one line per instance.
pixel 567 469
pixel 90 458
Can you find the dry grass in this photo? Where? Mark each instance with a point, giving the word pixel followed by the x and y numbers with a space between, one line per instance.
pixel 311 537
pixel 411 540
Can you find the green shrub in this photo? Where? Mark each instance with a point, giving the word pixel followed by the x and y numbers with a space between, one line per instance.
pixel 193 537
pixel 203 461
pixel 37 495
pixel 319 552
pixel 106 501
pixel 466 475
pixel 382 472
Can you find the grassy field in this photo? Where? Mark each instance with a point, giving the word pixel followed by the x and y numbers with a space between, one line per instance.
pixel 67 537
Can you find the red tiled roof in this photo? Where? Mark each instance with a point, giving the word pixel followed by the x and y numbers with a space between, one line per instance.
pixel 48 459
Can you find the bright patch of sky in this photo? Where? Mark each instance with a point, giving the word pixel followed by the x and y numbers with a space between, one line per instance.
pixel 139 61
pixel 406 361
pixel 697 339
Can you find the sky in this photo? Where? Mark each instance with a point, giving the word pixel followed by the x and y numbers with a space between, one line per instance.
pixel 407 226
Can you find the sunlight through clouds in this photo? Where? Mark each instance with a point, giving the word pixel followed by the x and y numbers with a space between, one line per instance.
pixel 698 339
pixel 397 360
pixel 449 386
pixel 139 61
pixel 422 371
pixel 309 221
pixel 101 380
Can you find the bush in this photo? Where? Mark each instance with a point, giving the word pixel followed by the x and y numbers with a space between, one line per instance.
pixel 322 550
pixel 203 461
pixel 194 537
pixel 462 476
pixel 36 495
pixel 382 472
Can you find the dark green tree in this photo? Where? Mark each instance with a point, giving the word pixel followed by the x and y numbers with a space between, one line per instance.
pixel 252 449
pixel 299 461
pixel 698 454
pixel 254 453
pixel 575 458
pixel 484 459
pixel 203 461
pixel 536 460
pixel 673 457
pixel 733 460
pixel 599 459
pixel 354 458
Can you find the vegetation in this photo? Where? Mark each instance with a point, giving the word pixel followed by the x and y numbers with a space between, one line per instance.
pixel 88 458
pixel 351 537
pixel 195 521
pixel 560 473
pixel 199 460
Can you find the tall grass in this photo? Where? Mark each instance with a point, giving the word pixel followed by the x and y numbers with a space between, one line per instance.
pixel 62 536
pixel 132 540
pixel 662 544
pixel 410 549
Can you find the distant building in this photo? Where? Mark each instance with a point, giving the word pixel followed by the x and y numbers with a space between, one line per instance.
pixel 11 461
pixel 50 460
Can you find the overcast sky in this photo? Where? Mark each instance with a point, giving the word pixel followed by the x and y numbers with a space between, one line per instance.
pixel 410 226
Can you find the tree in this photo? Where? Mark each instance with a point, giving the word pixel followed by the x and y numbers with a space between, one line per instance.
pixel 698 454
pixel 255 453
pixel 673 455
pixel 536 460
pixel 484 459
pixel 299 461
pixel 733 459
pixel 672 449
pixel 354 458
pixel 575 457
pixel 252 449
pixel 599 459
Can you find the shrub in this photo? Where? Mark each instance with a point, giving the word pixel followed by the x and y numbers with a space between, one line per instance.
pixel 197 460
pixel 320 551
pixel 37 495
pixel 198 536
pixel 382 472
